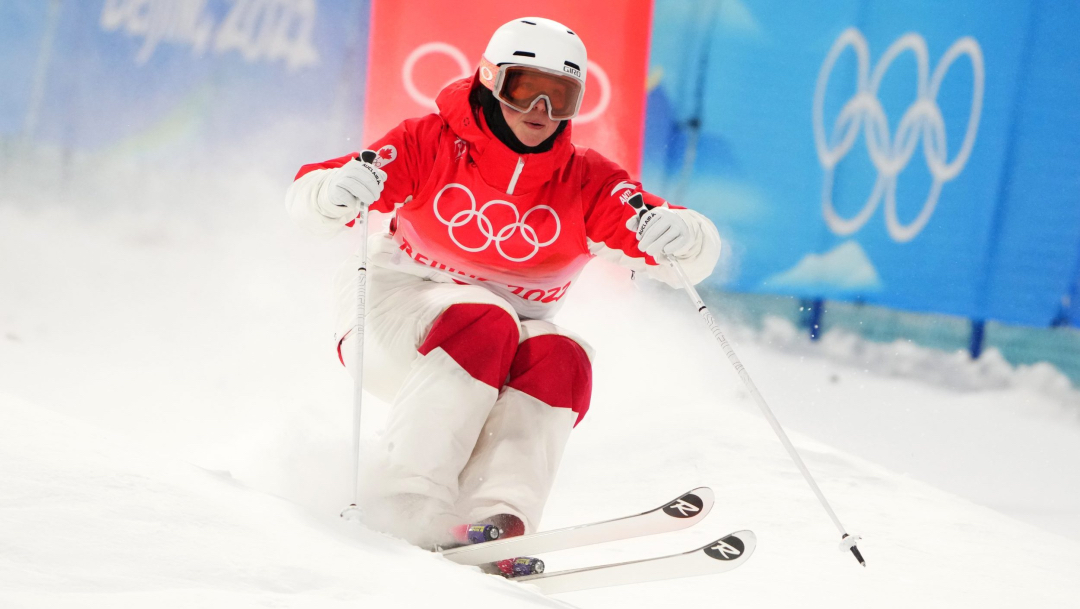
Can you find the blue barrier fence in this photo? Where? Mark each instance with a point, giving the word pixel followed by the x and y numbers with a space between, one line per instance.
pixel 917 155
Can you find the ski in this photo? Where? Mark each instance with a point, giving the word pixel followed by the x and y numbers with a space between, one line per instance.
pixel 720 556
pixel 684 511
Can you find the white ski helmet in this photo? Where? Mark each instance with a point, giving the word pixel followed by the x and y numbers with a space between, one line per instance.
pixel 543 47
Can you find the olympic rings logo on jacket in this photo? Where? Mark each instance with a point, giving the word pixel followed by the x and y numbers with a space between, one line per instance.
pixel 487 226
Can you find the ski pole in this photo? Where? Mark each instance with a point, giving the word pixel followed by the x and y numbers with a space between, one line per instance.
pixel 353 511
pixel 847 542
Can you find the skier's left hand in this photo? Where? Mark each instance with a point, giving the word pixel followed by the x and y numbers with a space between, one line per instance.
pixel 662 231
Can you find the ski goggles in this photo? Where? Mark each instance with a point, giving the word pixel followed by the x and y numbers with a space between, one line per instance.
pixel 521 87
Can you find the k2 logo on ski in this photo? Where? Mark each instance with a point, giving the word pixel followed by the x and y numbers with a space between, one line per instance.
pixel 687 506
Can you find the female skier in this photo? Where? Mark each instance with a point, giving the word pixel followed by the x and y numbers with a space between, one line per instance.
pixel 495 213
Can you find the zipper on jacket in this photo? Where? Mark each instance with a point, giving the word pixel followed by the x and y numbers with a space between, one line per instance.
pixel 517 174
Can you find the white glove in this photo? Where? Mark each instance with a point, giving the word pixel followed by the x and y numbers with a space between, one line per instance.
pixel 661 230
pixel 349 186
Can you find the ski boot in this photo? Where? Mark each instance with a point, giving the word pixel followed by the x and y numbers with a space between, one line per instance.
pixel 514 567
pixel 491 529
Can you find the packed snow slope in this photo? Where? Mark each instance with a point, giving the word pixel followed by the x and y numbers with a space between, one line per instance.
pixel 174 431
pixel 93 520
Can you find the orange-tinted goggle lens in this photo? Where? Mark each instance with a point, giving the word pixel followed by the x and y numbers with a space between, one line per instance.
pixel 522 86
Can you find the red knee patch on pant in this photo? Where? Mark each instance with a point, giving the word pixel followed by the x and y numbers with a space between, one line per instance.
pixel 555 370
pixel 481 338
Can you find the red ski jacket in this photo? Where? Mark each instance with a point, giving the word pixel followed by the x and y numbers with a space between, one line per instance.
pixel 521 225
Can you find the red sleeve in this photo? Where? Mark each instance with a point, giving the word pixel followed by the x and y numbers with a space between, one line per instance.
pixel 605 189
pixel 406 154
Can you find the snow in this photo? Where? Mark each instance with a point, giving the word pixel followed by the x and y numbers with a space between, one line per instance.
pixel 174 431
pixel 103 523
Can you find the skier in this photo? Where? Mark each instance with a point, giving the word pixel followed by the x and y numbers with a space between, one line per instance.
pixel 494 214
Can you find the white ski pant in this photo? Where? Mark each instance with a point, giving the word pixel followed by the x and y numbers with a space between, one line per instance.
pixel 482 402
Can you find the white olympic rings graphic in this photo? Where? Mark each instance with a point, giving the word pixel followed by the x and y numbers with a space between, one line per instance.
pixel 465 216
pixel 890 153
pixel 465 69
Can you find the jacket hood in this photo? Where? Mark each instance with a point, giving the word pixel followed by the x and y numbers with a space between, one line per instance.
pixel 496 162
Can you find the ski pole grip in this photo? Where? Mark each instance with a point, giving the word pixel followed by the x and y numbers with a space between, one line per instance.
pixel 640 206
pixel 366 156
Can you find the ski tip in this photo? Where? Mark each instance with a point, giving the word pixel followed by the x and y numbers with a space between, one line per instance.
pixel 692 505
pixel 733 546
pixel 705 493
pixel 748 538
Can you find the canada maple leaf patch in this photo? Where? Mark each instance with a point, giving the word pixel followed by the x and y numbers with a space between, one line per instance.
pixel 385 155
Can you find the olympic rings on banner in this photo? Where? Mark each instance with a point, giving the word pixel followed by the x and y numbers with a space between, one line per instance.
pixel 421 51
pixel 605 95
pixel 487 229
pixel 465 69
pixel 890 153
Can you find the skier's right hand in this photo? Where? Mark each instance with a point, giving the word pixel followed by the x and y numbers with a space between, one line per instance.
pixel 347 188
